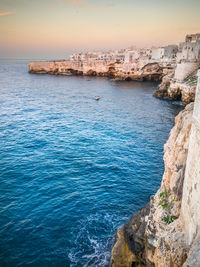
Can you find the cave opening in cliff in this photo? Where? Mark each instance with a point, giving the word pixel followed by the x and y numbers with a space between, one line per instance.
pixel 179 96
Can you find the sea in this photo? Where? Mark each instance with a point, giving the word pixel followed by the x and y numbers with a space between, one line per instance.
pixel 73 169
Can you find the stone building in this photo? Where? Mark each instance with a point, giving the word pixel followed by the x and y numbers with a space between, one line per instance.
pixel 116 55
pixel 170 51
pixel 131 56
pixel 188 59
pixel 164 53
pixel 190 49
pixel 157 53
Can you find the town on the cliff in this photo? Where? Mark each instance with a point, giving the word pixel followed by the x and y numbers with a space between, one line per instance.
pixel 174 65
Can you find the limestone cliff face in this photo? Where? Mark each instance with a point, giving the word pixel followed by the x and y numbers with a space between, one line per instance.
pixel 155 235
pixel 143 70
pixel 67 67
pixel 166 233
pixel 147 70
pixel 180 83
pixel 190 209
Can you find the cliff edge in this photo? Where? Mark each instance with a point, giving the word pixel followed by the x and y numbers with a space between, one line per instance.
pixel 182 81
pixel 167 231
pixel 143 70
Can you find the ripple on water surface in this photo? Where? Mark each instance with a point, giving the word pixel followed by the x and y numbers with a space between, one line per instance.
pixel 74 169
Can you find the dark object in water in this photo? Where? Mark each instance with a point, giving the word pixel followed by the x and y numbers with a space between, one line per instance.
pixel 97 97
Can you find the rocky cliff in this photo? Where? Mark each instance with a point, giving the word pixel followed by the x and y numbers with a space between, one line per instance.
pixel 177 81
pixel 166 232
pixel 68 67
pixel 180 83
pixel 143 70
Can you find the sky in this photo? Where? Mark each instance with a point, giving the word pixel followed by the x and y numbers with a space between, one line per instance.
pixel 56 28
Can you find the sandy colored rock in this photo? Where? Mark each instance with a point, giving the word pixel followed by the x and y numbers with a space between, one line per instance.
pixel 144 70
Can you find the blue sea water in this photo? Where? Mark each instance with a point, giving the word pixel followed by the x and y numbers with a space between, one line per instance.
pixel 72 169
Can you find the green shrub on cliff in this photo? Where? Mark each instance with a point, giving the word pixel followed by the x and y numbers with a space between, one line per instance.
pixel 166 202
pixel 169 219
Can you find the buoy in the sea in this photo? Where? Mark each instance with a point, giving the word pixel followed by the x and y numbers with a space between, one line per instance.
pixel 97 97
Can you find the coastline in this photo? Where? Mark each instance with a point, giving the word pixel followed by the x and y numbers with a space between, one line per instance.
pixel 148 70
pixel 104 145
pixel 166 232
pixel 156 236
pixel 160 234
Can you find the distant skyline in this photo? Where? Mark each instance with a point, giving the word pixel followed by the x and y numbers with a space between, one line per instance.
pixel 56 28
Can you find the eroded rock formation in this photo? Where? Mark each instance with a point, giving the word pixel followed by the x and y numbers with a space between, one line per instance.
pixel 154 236
pixel 172 89
pixel 147 70
pixel 166 233
pixel 181 84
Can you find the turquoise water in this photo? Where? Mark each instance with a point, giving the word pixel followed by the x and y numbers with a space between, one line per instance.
pixel 73 169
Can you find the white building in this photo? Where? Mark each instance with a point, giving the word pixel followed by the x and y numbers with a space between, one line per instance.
pixel 131 56
pixel 164 53
pixel 117 55
pixel 157 53
pixel 170 51
pixel 190 49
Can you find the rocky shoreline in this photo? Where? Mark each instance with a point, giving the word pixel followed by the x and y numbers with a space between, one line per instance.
pixel 150 70
pixel 176 67
pixel 156 235
pixel 171 87
pixel 164 233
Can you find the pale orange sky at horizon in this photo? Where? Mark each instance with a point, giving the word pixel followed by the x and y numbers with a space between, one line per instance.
pixel 56 28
